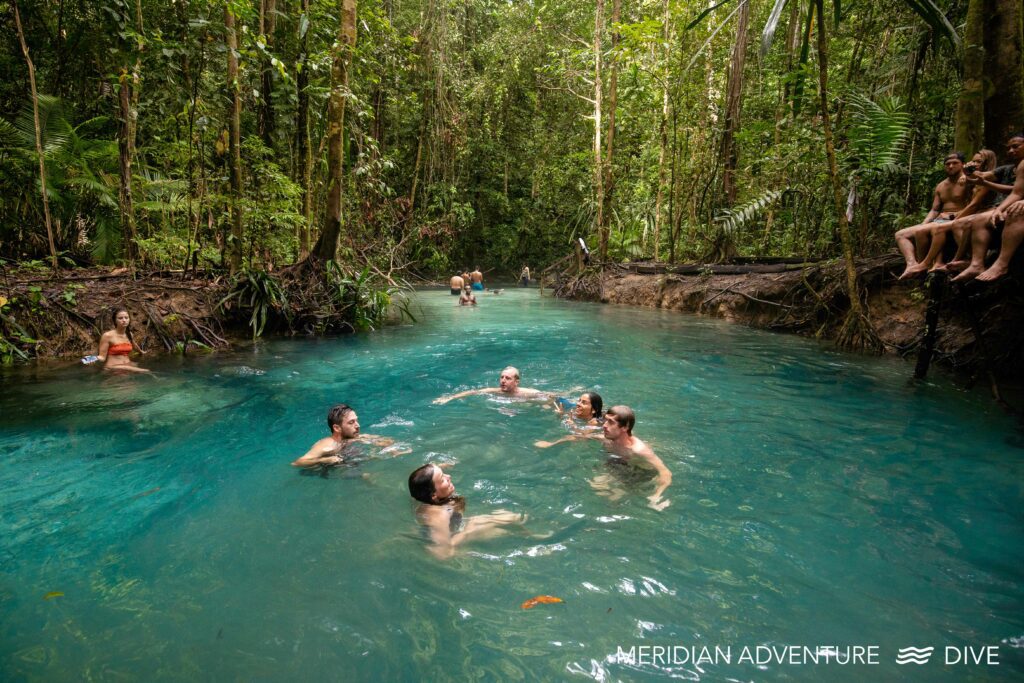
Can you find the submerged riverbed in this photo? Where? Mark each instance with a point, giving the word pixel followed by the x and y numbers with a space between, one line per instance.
pixel 152 528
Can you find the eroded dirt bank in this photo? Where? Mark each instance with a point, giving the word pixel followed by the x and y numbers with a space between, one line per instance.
pixel 809 300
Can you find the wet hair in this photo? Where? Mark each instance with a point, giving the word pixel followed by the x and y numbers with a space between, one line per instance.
pixel 954 155
pixel 623 416
pixel 421 484
pixel 336 415
pixel 988 159
pixel 596 404
pixel 113 319
pixel 513 369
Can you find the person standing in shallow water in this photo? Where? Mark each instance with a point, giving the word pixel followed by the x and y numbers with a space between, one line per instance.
pixel 477 279
pixel 344 425
pixel 467 298
pixel 442 513
pixel 117 344
pixel 524 276
pixel 456 283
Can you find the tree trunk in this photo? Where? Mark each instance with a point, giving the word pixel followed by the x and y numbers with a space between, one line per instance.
pixel 856 330
pixel 327 246
pixel 234 143
pixel 662 133
pixel 1004 66
pixel 970 108
pixel 602 230
pixel 39 133
pixel 303 144
pixel 126 151
pixel 613 82
pixel 268 25
pixel 734 98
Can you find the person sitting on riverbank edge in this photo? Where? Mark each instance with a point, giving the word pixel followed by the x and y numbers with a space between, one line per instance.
pixel 344 425
pixel 950 198
pixel 456 283
pixel 508 384
pixel 618 439
pixel 442 513
pixel 117 344
pixel 982 201
pixel 467 298
pixel 1005 224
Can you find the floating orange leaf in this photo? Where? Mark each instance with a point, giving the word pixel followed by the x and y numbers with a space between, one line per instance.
pixel 541 600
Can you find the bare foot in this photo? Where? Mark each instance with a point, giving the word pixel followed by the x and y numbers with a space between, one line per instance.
pixel 993 273
pixel 957 266
pixel 913 270
pixel 969 274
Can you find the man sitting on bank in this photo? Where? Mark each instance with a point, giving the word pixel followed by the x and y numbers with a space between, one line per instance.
pixel 1006 224
pixel 950 197
pixel 508 384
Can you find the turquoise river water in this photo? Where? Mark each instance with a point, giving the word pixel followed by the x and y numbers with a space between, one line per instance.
pixel 153 530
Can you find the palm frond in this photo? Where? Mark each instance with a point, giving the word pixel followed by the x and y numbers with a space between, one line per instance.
pixel 732 221
pixel 878 131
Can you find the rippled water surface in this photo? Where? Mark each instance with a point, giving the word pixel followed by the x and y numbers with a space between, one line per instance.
pixel 818 499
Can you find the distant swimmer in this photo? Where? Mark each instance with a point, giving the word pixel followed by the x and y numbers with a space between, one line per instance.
pixel 344 425
pixel 618 439
pixel 467 298
pixel 456 284
pixel 508 384
pixel 478 279
pixel 442 513
pixel 524 276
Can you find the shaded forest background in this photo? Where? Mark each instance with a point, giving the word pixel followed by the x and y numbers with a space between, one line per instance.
pixel 432 135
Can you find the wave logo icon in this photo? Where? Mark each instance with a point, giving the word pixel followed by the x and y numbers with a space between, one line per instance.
pixel 914 655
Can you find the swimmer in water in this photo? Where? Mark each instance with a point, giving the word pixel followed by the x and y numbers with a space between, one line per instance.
pixel 117 344
pixel 586 413
pixel 508 385
pixel 617 437
pixel 442 513
pixel 344 425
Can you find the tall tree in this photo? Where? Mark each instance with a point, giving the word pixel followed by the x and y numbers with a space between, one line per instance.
pixel 327 246
pixel 268 26
pixel 599 222
pixel 305 160
pixel 39 132
pixel 128 98
pixel 235 241
pixel 733 101
pixel 970 110
pixel 662 127
pixel 856 331
pixel 1004 68
pixel 613 101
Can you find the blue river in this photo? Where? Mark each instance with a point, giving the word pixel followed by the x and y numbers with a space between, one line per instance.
pixel 822 505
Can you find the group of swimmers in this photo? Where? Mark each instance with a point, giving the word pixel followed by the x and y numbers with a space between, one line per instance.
pixel 442 510
pixel 982 205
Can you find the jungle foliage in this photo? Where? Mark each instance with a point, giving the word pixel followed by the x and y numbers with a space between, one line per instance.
pixel 477 131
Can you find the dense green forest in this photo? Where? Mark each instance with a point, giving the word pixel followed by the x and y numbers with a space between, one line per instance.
pixel 429 135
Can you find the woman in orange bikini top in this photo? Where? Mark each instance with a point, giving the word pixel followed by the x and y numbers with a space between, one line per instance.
pixel 116 345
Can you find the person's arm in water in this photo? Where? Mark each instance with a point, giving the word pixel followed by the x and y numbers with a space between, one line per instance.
pixel 566 439
pixel 441 400
pixel 444 543
pixel 320 454
pixel 664 480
